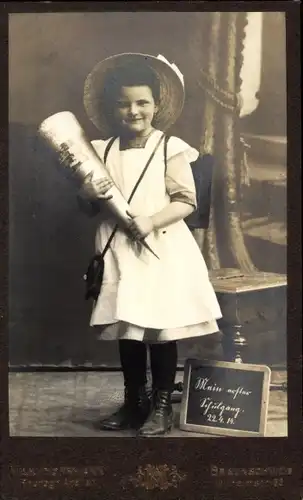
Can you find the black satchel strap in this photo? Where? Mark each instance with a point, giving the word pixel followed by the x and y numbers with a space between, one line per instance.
pixel 165 152
pixel 135 187
pixel 145 168
pixel 108 146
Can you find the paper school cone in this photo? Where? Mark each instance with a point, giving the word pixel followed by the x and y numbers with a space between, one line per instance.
pixel 65 136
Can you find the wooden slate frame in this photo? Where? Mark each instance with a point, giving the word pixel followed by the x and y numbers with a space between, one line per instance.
pixel 207 429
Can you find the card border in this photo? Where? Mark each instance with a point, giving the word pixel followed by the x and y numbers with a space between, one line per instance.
pixel 188 455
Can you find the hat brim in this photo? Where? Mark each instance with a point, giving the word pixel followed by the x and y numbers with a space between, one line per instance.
pixel 171 91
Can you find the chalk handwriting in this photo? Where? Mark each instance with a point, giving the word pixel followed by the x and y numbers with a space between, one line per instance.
pixel 204 384
pixel 240 391
pixel 209 404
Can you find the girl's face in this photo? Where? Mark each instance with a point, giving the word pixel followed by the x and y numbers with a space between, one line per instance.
pixel 134 109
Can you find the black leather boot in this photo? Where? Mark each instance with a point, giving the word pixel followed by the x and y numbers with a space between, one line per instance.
pixel 132 414
pixel 160 419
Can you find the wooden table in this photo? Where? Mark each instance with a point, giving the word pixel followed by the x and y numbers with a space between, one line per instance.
pixel 254 300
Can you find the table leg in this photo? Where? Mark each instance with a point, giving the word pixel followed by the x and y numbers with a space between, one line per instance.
pixel 233 342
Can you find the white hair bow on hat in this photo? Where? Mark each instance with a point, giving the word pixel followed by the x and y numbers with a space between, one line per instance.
pixel 173 66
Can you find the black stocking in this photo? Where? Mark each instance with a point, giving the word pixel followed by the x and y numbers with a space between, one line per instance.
pixel 133 358
pixel 163 358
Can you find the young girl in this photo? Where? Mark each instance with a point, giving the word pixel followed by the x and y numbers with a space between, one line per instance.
pixel 132 99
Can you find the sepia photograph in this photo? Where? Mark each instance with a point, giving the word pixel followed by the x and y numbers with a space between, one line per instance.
pixel 147 224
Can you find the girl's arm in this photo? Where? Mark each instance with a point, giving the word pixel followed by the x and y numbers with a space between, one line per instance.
pixel 86 196
pixel 180 186
pixel 174 212
pixel 141 226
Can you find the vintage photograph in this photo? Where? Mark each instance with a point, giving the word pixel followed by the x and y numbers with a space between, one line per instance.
pixel 147 224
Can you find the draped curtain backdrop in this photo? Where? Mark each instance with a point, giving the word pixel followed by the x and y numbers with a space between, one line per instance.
pixel 220 82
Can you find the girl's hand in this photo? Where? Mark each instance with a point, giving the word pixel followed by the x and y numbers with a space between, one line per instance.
pixel 140 226
pixel 97 189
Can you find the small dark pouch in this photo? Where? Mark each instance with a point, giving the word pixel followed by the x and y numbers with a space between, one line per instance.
pixel 94 277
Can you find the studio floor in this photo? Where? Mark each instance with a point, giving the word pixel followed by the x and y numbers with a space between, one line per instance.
pixel 70 404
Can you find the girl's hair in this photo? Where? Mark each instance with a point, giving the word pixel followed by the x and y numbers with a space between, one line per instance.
pixel 130 75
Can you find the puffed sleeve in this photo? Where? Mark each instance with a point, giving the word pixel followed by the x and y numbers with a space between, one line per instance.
pixel 179 180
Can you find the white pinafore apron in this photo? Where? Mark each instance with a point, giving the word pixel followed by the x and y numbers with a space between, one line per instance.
pixel 143 298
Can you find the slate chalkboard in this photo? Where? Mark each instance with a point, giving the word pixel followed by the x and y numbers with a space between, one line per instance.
pixel 225 398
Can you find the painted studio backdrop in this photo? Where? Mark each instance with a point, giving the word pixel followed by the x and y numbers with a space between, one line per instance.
pixel 234 66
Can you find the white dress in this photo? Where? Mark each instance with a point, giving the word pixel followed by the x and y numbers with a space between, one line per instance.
pixel 143 298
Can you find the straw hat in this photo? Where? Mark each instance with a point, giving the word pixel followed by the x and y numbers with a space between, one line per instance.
pixel 171 89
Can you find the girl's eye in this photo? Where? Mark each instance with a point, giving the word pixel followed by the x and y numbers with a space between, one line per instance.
pixel 122 105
